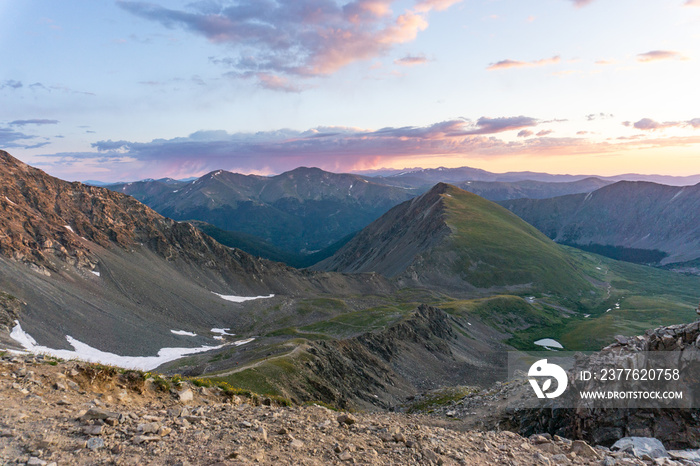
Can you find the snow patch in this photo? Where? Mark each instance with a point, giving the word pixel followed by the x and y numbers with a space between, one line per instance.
pixel 183 332
pixel 240 299
pixel 677 194
pixel 69 228
pixel 549 343
pixel 8 200
pixel 95 272
pixel 243 342
pixel 222 331
pixel 87 353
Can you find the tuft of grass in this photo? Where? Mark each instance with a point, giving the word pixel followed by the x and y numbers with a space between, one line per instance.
pixel 321 403
pixel 439 398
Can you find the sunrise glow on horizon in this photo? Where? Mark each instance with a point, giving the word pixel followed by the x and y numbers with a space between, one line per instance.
pixel 126 90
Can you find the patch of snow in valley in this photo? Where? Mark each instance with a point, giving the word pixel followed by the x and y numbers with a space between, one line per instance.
pixel 69 228
pixel 184 332
pixel 549 343
pixel 87 353
pixel 240 299
pixel 222 331
pixel 218 338
pixel 8 200
pixel 95 272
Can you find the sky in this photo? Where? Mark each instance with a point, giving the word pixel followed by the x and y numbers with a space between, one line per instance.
pixel 125 90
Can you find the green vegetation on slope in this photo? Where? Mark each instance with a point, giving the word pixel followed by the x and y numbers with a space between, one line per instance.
pixel 636 299
pixel 494 247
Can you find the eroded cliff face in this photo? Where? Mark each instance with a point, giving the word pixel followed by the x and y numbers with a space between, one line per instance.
pixel 10 308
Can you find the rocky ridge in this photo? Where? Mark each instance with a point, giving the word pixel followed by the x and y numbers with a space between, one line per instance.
pixel 496 407
pixel 56 413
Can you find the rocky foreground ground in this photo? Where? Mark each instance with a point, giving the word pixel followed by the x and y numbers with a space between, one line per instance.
pixel 54 412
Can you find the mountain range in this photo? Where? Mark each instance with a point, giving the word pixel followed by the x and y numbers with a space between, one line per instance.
pixel 303 210
pixel 429 176
pixel 430 292
pixel 303 216
pixel 84 259
pixel 638 221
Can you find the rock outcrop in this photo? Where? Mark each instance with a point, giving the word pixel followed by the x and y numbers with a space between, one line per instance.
pixel 676 428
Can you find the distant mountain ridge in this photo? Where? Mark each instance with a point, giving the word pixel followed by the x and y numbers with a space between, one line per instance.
pixel 430 176
pixel 639 215
pixel 306 209
pixel 528 189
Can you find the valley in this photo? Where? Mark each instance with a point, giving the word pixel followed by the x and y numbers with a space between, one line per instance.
pixel 433 293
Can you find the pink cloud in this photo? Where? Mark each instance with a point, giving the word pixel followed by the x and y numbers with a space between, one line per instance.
pixel 346 148
pixel 505 64
pixel 299 39
pixel 276 83
pixel 581 3
pixel 647 124
pixel 657 55
pixel 692 3
pixel 437 5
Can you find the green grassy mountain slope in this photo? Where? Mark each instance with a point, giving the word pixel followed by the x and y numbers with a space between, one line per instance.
pixel 454 240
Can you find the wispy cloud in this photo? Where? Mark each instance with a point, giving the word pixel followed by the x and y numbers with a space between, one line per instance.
pixel 508 63
pixel 648 124
pixel 277 83
pixel 300 39
pixel 9 138
pixel 11 83
pixel 658 55
pixel 410 60
pixel 599 116
pixel 33 122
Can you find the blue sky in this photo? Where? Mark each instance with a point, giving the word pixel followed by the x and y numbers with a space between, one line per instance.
pixel 126 90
